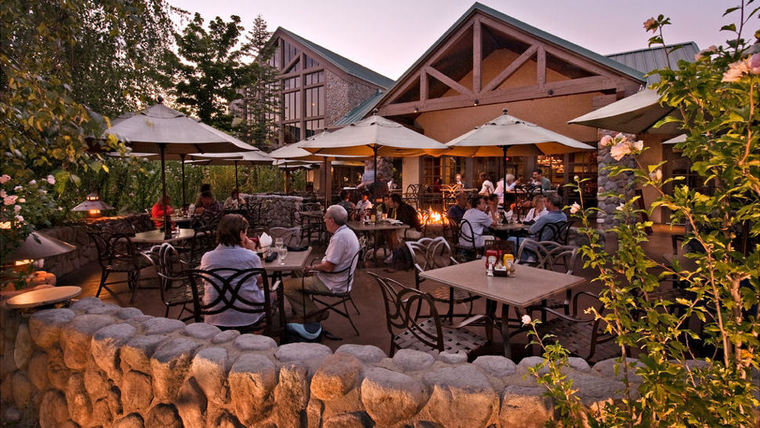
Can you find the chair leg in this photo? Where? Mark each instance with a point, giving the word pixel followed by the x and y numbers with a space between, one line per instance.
pixel 103 278
pixel 345 306
pixel 133 278
pixel 354 305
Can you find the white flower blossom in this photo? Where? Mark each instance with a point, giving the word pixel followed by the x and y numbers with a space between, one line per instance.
pixel 575 208
pixel 618 151
pixel 638 145
pixel 43 191
pixel 4 178
pixel 525 319
pixel 17 188
pixel 50 179
pixel 656 175
pixel 21 200
pixel 605 141
pixel 10 199
pixel 620 207
pixel 32 182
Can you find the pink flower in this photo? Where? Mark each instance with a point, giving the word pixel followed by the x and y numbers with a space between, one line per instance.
pixel 19 218
pixel 21 200
pixel 737 69
pixel 605 141
pixel 638 145
pixel 575 208
pixel 4 178
pixel 50 179
pixel 10 199
pixel 706 52
pixel 656 175
pixel 32 182
pixel 16 208
pixel 619 150
pixel 2 193
pixel 650 24
pixel 754 63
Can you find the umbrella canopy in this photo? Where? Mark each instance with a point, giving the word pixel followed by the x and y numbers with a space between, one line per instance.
pixel 635 114
pixel 145 130
pixel 234 158
pixel 159 129
pixel 374 136
pixel 509 136
pixel 675 140
pixel 39 246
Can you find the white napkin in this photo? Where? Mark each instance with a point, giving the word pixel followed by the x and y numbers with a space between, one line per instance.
pixel 265 240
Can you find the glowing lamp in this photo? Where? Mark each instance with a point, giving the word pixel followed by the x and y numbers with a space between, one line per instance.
pixel 92 205
pixel 34 249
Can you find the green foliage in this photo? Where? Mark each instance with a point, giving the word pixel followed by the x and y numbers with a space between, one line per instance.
pixel 717 98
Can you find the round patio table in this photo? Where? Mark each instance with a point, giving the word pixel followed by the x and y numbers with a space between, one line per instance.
pixel 43 297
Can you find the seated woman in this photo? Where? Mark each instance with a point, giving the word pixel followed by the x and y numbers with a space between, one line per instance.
pixel 364 203
pixel 234 202
pixel 493 207
pixel 345 202
pixel 159 209
pixel 234 251
pixel 407 215
pixel 537 210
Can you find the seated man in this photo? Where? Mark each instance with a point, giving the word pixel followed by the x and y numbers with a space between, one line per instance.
pixel 407 215
pixel 540 181
pixel 457 210
pixel 345 202
pixel 479 220
pixel 364 203
pixel 340 254
pixel 235 251
pixel 553 214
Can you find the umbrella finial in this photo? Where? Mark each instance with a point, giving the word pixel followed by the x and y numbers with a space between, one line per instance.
pixel 504 111
pixel 160 99
pixel 375 111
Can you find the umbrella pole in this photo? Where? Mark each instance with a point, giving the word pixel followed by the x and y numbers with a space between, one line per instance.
pixel 182 163
pixel 236 178
pixel 327 191
pixel 374 157
pixel 504 186
pixel 167 224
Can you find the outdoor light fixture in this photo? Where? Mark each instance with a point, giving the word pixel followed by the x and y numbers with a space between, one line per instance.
pixel 416 109
pixel 35 249
pixel 92 206
pixel 476 102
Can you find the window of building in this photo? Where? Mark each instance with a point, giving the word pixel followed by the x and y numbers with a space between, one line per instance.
pixel 292 83
pixel 314 78
pixel 310 63
pixel 292 132
pixel 292 106
pixel 314 127
pixel 315 101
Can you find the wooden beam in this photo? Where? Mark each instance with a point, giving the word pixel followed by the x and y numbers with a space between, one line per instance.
pixel 423 87
pixel 428 105
pixel 292 62
pixel 477 53
pixel 446 80
pixel 411 80
pixel 541 67
pixel 513 66
pixel 443 48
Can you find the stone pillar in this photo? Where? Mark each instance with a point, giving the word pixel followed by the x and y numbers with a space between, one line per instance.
pixel 622 183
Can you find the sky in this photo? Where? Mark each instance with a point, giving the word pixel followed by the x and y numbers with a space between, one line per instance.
pixel 389 36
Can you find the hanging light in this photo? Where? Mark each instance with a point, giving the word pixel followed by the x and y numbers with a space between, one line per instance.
pixel 92 206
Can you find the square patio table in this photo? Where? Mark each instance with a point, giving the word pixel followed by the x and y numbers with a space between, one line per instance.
pixel 373 229
pixel 295 261
pixel 156 236
pixel 526 287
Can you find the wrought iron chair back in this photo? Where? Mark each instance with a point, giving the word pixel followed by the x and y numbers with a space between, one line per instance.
pixel 175 283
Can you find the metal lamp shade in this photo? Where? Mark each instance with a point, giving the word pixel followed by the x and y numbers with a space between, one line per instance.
pixel 38 246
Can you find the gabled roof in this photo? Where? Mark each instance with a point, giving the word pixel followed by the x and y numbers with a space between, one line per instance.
pixel 648 59
pixel 358 112
pixel 339 61
pixel 601 59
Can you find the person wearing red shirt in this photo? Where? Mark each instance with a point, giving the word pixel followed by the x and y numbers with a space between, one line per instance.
pixel 158 211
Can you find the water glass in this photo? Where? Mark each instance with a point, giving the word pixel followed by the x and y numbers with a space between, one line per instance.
pixel 278 243
pixel 282 252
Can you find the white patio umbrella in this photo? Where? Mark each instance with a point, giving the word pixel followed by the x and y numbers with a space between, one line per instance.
pixel 374 136
pixel 159 129
pixel 635 114
pixel 509 136
pixel 675 140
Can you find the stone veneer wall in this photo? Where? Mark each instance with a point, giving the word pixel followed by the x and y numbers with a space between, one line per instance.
pixel 277 210
pixel 98 364
pixel 85 252
pixel 342 96
pixel 622 183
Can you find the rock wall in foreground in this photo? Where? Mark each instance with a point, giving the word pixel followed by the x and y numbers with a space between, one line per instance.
pixel 97 364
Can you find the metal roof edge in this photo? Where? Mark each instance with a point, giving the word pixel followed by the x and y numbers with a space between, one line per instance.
pixel 673 45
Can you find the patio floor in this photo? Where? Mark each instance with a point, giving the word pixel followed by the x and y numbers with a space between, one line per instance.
pixel 371 322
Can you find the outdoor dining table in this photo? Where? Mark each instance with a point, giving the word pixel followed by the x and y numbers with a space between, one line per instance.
pixel 295 261
pixel 510 227
pixel 373 229
pixel 156 236
pixel 527 286
pixel 179 220
pixel 43 297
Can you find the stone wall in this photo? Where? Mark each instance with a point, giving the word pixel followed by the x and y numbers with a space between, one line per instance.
pixel 277 210
pixel 86 252
pixel 342 96
pixel 98 364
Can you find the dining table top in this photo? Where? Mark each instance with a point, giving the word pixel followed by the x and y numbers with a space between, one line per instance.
pixel 510 227
pixel 294 261
pixel 525 287
pixel 43 296
pixel 156 236
pixel 358 226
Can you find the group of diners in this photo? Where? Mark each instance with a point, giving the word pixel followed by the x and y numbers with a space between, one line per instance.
pixel 236 251
pixel 537 182
pixel 206 202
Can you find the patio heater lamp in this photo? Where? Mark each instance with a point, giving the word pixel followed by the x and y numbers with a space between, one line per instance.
pixel 92 206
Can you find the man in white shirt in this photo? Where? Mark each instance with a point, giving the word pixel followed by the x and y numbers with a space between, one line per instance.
pixel 487 187
pixel 364 203
pixel 340 254
pixel 479 220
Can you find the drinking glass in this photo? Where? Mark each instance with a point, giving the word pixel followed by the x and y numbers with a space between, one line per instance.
pixel 282 252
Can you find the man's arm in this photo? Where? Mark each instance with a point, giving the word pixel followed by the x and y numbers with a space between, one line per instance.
pixel 323 267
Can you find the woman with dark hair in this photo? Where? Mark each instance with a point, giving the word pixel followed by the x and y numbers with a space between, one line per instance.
pixel 234 202
pixel 234 251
